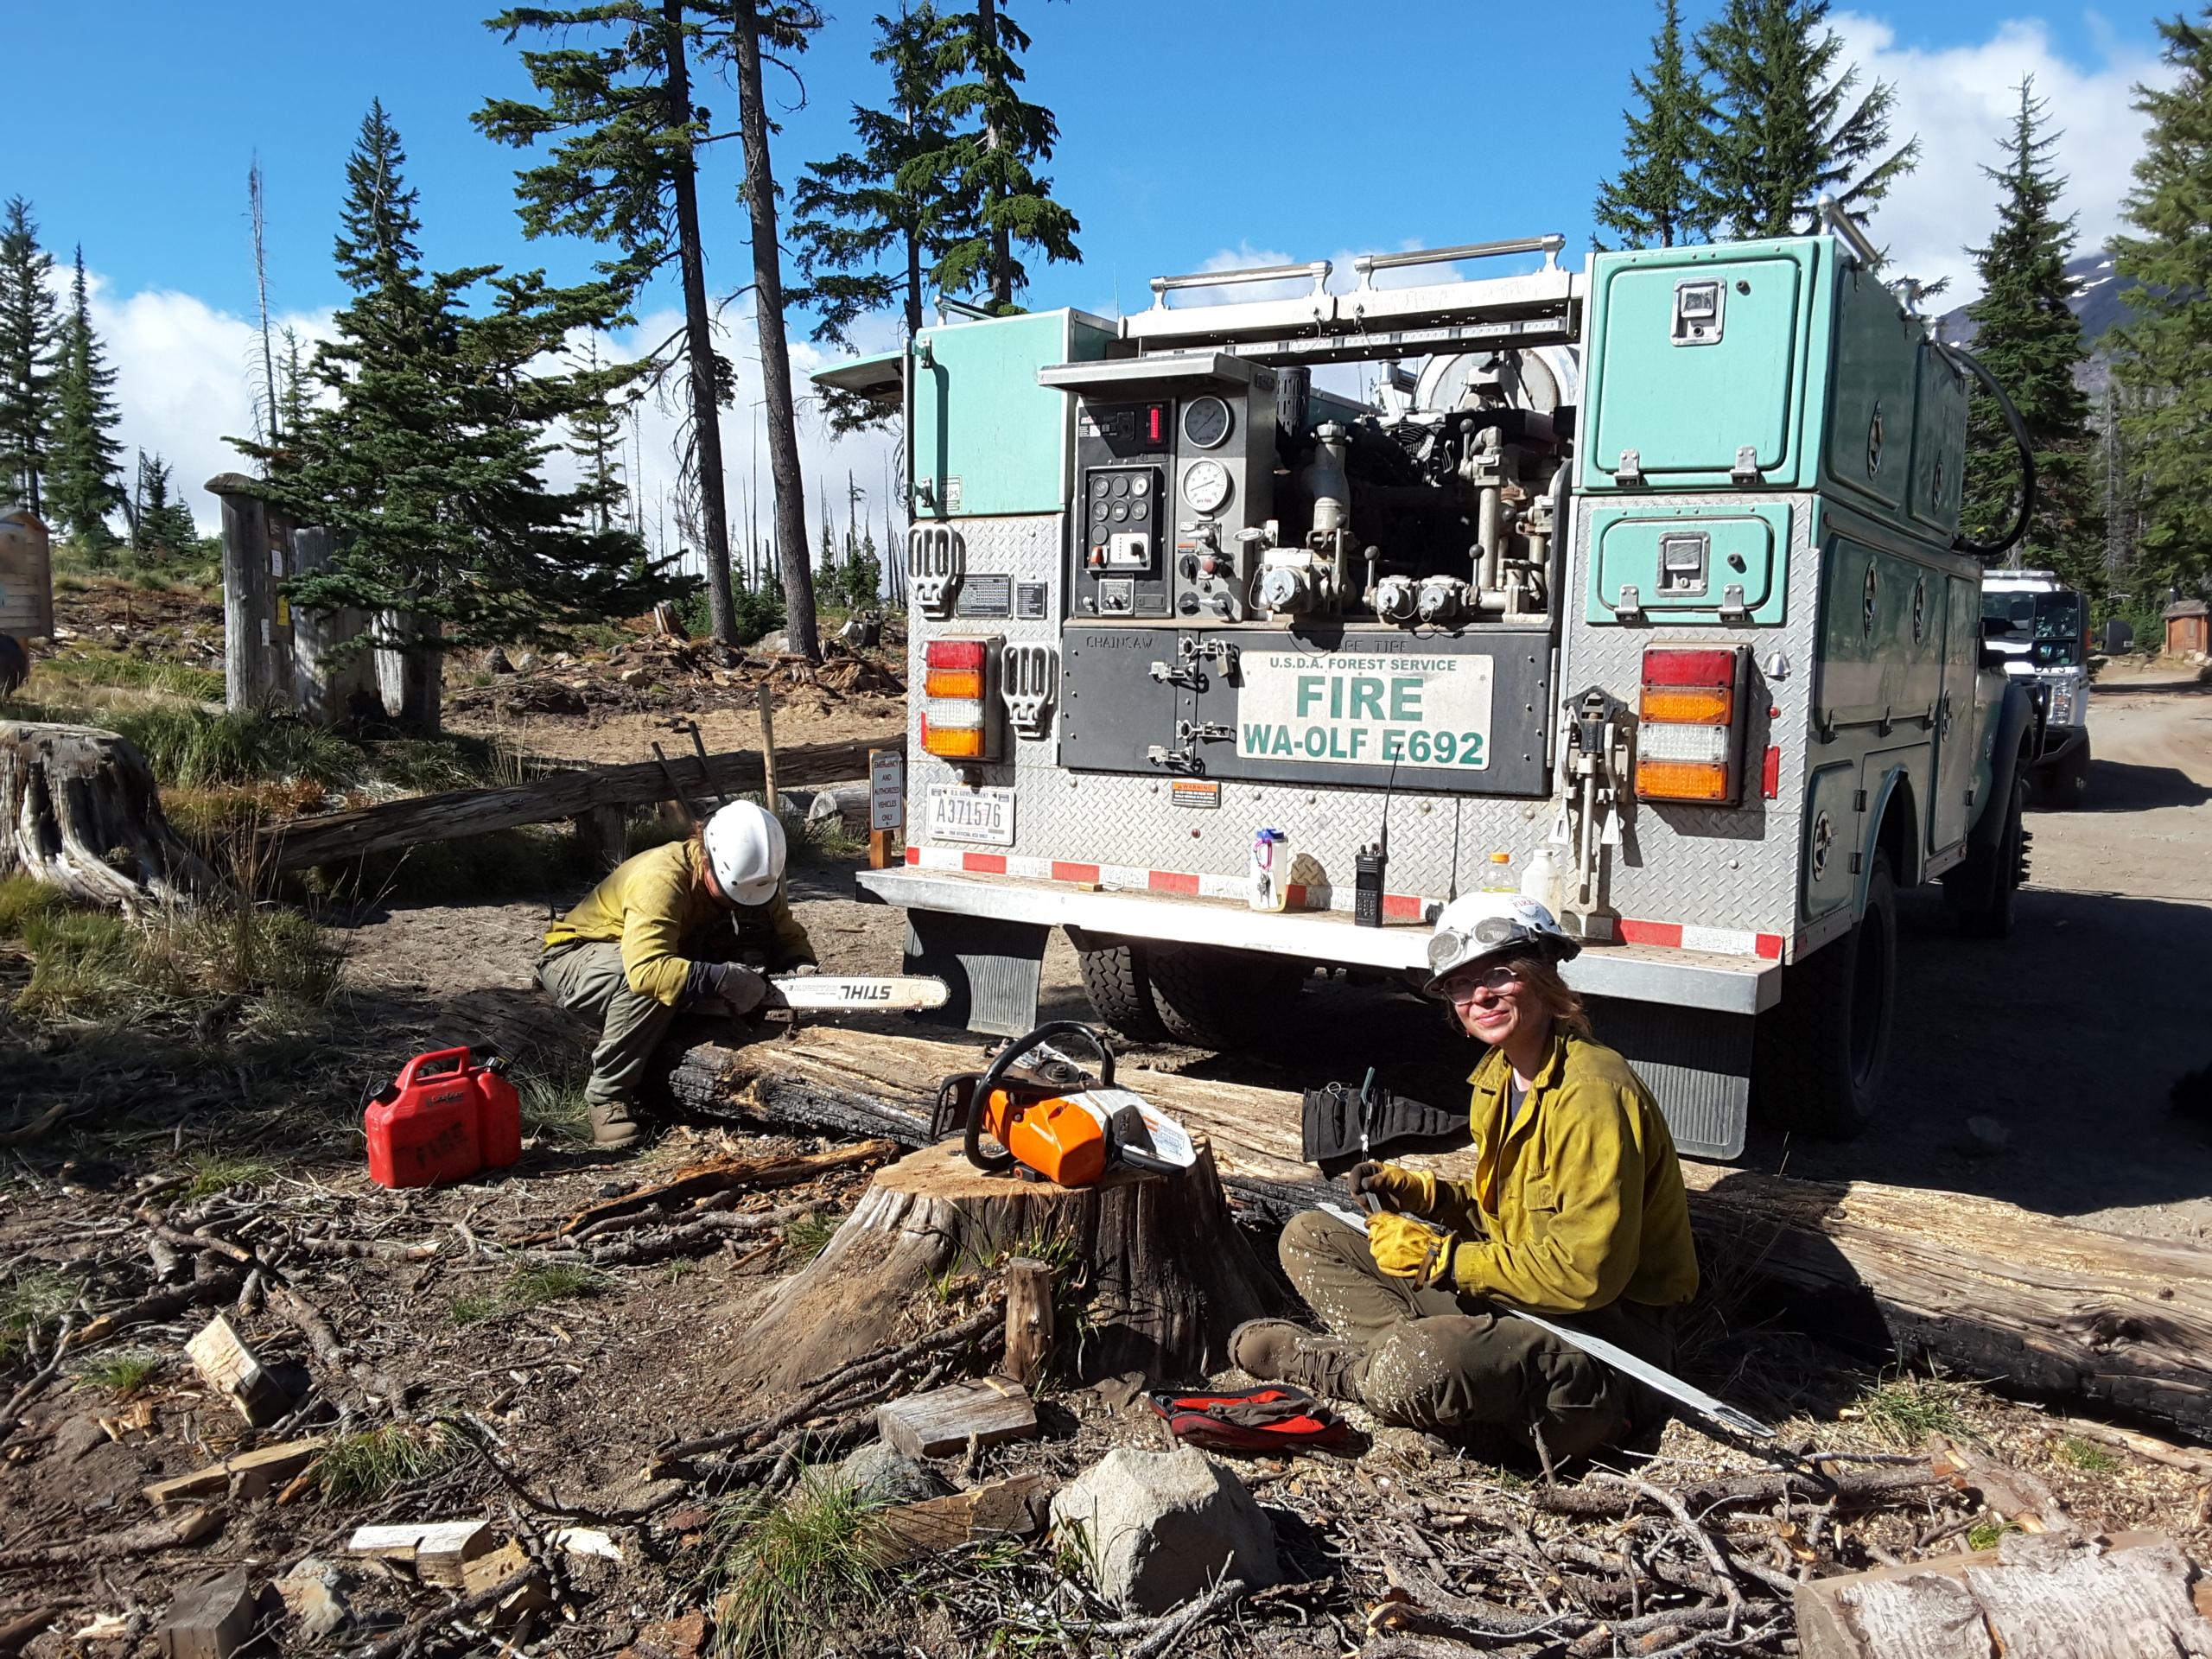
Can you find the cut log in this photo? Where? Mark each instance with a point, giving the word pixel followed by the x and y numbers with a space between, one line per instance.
pixel 79 810
pixel 2030 1598
pixel 210 1620
pixel 1028 1320
pixel 236 1372
pixel 1169 1276
pixel 1013 1507
pixel 981 1410
pixel 337 836
pixel 2043 1308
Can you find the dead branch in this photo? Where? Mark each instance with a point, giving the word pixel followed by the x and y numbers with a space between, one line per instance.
pixel 188 1527
pixel 219 1287
pixel 405 1639
pixel 729 1174
pixel 1618 1497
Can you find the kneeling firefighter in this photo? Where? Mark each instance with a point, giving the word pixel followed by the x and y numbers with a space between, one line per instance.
pixel 693 926
pixel 1576 1212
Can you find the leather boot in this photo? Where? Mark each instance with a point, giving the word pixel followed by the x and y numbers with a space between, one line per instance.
pixel 1275 1350
pixel 611 1126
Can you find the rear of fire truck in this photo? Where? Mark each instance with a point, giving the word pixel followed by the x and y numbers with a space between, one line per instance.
pixel 1630 589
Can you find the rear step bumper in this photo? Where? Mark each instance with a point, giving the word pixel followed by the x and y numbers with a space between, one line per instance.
pixel 1637 973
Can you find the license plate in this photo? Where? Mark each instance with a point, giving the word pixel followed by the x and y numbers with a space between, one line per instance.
pixel 983 817
pixel 1345 709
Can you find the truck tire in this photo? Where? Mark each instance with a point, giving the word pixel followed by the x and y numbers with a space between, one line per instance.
pixel 1979 890
pixel 1211 997
pixel 1820 1053
pixel 1119 989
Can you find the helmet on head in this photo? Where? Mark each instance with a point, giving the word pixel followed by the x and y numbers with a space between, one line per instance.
pixel 1480 926
pixel 745 848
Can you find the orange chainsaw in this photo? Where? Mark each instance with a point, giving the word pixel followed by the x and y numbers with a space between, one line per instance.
pixel 1055 1121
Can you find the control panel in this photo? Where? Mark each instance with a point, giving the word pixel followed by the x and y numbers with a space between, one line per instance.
pixel 1175 480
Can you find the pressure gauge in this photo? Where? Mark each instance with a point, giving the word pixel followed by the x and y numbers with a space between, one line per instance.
pixel 1206 485
pixel 1206 421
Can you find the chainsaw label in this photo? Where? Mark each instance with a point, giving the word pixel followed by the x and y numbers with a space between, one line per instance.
pixel 1417 711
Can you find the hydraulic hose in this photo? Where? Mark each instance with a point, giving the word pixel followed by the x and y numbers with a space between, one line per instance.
pixel 1959 357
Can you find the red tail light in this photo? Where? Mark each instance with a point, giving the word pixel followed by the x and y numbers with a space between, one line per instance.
pixel 1689 745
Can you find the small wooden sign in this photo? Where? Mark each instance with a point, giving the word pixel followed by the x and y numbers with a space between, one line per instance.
pixel 887 803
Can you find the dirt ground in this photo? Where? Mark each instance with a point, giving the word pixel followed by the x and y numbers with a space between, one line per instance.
pixel 2070 1034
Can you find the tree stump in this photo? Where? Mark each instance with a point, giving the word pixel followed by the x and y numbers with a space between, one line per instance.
pixel 1162 1272
pixel 79 810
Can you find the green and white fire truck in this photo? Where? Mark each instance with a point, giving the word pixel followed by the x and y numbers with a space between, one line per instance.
pixel 2040 628
pixel 1637 588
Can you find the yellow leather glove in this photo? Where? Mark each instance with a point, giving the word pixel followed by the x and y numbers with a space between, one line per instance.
pixel 1410 1192
pixel 1405 1249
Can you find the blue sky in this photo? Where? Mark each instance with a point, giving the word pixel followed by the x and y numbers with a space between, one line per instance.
pixel 1189 133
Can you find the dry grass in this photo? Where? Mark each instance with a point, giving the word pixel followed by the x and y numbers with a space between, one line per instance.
pixel 379 1461
pixel 791 1572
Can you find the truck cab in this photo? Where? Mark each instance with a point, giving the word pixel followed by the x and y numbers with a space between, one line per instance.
pixel 2040 628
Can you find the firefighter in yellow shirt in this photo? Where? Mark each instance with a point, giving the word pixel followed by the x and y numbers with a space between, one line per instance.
pixel 1577 1210
pixel 693 926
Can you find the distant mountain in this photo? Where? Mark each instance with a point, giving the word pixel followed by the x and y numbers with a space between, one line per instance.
pixel 2099 300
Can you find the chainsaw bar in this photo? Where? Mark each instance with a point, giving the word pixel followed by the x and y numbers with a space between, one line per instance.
pixel 861 992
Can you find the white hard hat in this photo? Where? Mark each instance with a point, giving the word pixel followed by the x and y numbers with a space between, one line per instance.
pixel 1479 924
pixel 745 846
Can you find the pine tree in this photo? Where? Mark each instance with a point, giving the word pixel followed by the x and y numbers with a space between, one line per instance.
pixel 2027 335
pixel 1786 129
pixel 1657 200
pixel 30 355
pixel 425 458
pixel 763 32
pixel 872 222
pixel 595 440
pixel 293 392
pixel 85 483
pixel 2164 350
pixel 162 527
pixel 994 159
pixel 619 104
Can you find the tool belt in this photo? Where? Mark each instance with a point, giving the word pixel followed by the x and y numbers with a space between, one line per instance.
pixel 1330 1127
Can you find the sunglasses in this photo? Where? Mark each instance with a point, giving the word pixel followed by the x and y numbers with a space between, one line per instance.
pixel 1465 987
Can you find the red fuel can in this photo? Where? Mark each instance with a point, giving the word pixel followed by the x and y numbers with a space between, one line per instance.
pixel 445 1119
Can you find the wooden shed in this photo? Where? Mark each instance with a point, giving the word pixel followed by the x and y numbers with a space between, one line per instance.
pixel 26 576
pixel 2189 624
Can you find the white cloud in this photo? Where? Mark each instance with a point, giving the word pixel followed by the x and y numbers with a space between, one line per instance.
pixel 1962 99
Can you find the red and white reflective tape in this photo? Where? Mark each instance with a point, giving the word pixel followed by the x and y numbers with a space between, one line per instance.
pixel 1396 906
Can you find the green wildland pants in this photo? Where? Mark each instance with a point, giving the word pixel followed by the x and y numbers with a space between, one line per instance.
pixel 586 978
pixel 1458 1367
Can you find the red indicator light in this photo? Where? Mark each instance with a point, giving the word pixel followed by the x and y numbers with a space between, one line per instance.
pixel 955 653
pixel 1689 667
pixel 1155 420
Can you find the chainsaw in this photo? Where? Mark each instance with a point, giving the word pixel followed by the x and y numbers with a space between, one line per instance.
pixel 1053 1120
pixel 792 994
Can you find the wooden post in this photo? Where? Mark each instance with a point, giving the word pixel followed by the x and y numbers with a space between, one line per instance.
pixel 768 742
pixel 599 832
pixel 1028 1320
pixel 322 689
pixel 246 618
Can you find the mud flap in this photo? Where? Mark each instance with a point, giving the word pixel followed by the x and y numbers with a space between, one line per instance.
pixel 1697 1063
pixel 993 969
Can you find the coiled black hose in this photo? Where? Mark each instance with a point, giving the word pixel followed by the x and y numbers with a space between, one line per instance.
pixel 1959 357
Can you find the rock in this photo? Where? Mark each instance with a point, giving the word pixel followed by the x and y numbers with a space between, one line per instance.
pixel 1985 1137
pixel 317 1594
pixel 637 678
pixel 82 1435
pixel 495 662
pixel 879 1473
pixel 772 643
pixel 670 1638
pixel 1157 1528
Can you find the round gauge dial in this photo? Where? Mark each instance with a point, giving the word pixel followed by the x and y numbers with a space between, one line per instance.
pixel 1206 421
pixel 1206 485
pixel 1141 486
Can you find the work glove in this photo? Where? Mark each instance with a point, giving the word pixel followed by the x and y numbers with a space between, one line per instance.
pixel 1406 1249
pixel 723 986
pixel 1412 1192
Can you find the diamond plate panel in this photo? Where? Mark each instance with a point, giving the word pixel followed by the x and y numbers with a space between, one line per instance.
pixel 1733 866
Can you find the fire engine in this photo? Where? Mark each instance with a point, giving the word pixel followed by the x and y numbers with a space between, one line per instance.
pixel 1638 588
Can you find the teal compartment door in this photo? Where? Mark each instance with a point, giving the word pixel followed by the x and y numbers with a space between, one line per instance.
pixel 1688 397
pixel 987 438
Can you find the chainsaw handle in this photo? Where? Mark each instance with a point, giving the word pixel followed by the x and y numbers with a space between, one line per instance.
pixel 971 1140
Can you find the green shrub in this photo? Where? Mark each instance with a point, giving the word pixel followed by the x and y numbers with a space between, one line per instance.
pixel 379 1461
pixel 791 1571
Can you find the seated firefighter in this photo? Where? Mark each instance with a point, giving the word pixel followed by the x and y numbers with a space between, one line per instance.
pixel 693 926
pixel 1576 1211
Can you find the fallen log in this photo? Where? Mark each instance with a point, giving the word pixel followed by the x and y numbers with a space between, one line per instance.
pixel 338 835
pixel 2042 1308
pixel 79 810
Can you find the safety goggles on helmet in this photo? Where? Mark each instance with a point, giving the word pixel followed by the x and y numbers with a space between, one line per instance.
pixel 1451 950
